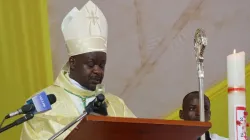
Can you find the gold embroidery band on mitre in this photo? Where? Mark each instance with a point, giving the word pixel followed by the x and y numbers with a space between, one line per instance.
pixel 80 46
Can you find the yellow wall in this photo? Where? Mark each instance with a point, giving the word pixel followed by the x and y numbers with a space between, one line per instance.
pixel 218 97
pixel 25 57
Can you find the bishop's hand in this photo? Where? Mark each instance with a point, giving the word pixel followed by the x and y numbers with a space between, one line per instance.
pixel 97 106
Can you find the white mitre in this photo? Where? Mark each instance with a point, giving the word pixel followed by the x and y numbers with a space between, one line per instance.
pixel 85 30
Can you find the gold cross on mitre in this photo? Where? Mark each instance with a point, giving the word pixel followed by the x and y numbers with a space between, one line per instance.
pixel 92 15
pixel 92 11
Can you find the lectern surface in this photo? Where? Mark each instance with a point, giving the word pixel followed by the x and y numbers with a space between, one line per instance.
pixel 113 128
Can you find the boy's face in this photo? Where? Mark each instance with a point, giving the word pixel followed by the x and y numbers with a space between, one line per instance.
pixel 191 109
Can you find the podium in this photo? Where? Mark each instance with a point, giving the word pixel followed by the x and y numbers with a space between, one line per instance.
pixel 113 128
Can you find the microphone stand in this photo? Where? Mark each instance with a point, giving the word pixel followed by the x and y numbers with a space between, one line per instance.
pixel 89 109
pixel 17 122
pixel 69 125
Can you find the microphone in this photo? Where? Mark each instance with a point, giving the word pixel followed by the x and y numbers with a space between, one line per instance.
pixel 200 43
pixel 98 105
pixel 99 100
pixel 37 104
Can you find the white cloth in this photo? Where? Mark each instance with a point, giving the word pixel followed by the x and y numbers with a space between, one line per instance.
pixel 217 137
pixel 78 101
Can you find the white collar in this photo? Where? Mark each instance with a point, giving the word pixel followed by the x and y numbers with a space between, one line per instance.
pixel 76 84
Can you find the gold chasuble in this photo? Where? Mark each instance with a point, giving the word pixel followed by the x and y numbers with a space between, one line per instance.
pixel 44 125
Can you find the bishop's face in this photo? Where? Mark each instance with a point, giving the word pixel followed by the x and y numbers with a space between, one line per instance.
pixel 88 68
pixel 191 109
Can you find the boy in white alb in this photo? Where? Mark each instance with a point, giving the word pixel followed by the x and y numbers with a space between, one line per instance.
pixel 190 112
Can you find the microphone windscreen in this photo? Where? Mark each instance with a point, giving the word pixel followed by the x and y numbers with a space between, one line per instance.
pixel 52 98
pixel 42 102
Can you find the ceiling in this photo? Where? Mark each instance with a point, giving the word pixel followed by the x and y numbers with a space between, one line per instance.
pixel 151 63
